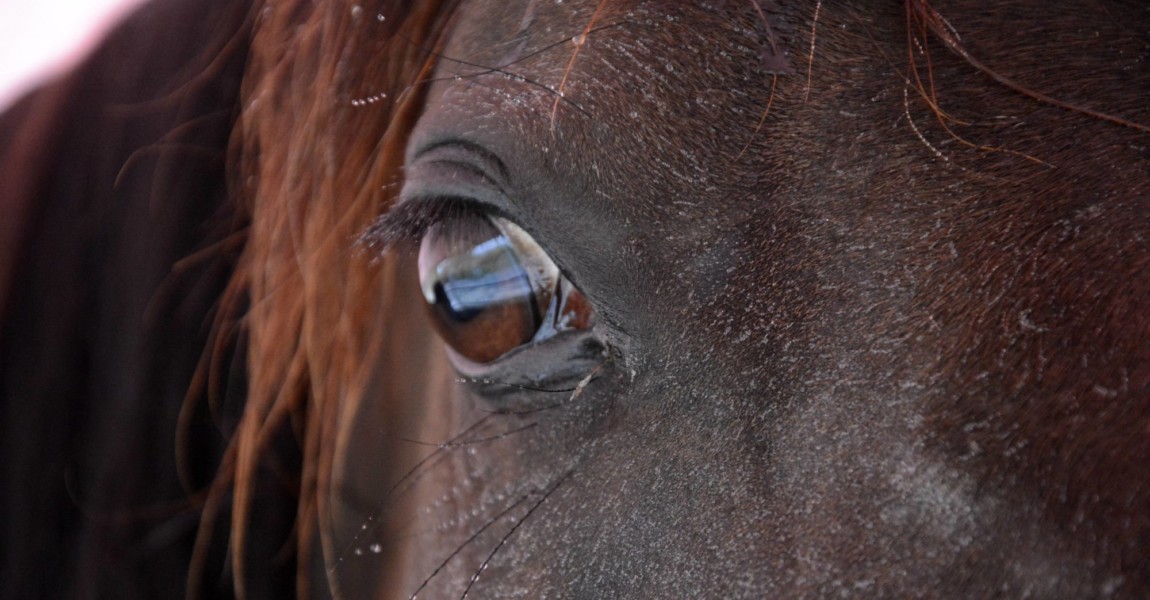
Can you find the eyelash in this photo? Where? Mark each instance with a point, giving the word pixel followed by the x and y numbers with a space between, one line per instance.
pixel 402 227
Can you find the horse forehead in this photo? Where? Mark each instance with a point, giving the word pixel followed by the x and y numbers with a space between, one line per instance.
pixel 548 37
pixel 623 125
pixel 675 87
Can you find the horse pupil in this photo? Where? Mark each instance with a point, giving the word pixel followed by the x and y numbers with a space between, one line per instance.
pixel 443 303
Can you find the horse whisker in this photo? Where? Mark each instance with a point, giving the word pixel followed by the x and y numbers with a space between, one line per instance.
pixel 408 478
pixel 575 393
pixel 762 119
pixel 442 448
pixel 514 528
pixel 454 444
pixel 811 56
pixel 470 539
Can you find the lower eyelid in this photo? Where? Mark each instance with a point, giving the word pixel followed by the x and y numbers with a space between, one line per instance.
pixel 557 363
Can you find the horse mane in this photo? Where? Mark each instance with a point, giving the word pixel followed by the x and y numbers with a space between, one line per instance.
pixel 347 86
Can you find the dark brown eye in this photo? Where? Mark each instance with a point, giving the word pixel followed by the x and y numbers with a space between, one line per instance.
pixel 490 288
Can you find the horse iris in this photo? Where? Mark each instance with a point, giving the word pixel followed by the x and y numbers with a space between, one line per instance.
pixel 491 288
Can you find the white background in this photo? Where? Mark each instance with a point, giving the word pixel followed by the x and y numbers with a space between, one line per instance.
pixel 40 38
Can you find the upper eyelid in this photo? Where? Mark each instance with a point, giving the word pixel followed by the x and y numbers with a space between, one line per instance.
pixel 471 150
pixel 408 220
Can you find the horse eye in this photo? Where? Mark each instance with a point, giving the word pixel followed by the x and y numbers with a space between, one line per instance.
pixel 490 288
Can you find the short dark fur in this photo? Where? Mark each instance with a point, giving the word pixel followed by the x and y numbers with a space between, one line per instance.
pixel 870 278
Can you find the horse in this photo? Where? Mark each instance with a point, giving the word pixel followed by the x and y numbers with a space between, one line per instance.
pixel 584 299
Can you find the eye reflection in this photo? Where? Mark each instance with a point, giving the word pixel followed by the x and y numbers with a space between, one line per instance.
pixel 490 288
